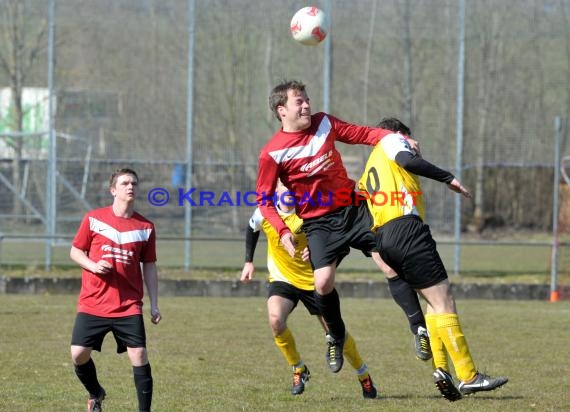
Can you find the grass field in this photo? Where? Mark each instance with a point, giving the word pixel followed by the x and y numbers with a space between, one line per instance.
pixel 213 354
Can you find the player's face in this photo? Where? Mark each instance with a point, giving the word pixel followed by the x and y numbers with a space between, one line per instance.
pixel 296 113
pixel 126 188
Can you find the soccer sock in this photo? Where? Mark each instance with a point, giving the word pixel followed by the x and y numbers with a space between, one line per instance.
pixel 362 372
pixel 286 344
pixel 299 367
pixel 452 336
pixel 351 353
pixel 143 385
pixel 439 355
pixel 407 299
pixel 353 356
pixel 329 306
pixel 87 374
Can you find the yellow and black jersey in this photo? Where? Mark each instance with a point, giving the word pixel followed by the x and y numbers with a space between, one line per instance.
pixel 280 265
pixel 392 191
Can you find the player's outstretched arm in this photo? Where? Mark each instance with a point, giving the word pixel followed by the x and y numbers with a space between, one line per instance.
pixel 416 164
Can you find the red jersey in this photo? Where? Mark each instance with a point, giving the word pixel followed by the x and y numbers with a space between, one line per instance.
pixel 308 163
pixel 123 242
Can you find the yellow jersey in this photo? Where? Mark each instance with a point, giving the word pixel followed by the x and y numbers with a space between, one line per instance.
pixel 391 190
pixel 280 265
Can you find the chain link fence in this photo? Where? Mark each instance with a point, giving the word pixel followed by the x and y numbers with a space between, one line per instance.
pixel 121 79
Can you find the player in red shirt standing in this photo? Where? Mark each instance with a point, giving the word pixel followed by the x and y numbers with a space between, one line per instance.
pixel 303 155
pixel 111 244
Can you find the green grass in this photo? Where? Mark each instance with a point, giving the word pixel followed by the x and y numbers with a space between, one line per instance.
pixel 218 355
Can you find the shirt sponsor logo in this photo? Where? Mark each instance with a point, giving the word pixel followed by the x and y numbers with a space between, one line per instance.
pixel 316 162
pixel 118 254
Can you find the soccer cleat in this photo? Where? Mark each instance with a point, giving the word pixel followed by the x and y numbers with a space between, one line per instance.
pixel 444 383
pixel 299 380
pixel 368 389
pixel 421 343
pixel 482 382
pixel 95 404
pixel 334 356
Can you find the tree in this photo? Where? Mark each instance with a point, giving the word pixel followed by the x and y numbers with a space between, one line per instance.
pixel 26 33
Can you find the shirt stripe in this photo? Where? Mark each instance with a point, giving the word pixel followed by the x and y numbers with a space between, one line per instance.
pixel 120 238
pixel 310 149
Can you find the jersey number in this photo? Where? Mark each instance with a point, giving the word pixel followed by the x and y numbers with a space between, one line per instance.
pixel 372 181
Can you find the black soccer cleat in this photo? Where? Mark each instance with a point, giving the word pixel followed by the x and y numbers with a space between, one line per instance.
pixel 95 404
pixel 421 344
pixel 481 383
pixel 444 383
pixel 334 354
pixel 299 381
pixel 368 389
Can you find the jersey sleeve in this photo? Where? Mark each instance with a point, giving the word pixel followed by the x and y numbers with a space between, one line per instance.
pixel 82 239
pixel 148 254
pixel 398 149
pixel 266 182
pixel 256 220
pixel 354 134
pixel 395 143
pixel 251 239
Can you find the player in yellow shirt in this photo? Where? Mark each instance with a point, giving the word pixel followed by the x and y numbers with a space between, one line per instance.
pixel 290 281
pixel 391 184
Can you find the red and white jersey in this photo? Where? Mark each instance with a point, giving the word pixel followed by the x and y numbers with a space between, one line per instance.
pixel 123 242
pixel 308 163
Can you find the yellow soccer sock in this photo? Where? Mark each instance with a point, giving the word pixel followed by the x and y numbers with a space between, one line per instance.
pixel 354 358
pixel 286 344
pixel 439 354
pixel 450 333
pixel 351 353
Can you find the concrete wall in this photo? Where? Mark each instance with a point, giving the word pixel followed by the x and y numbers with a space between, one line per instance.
pixel 233 288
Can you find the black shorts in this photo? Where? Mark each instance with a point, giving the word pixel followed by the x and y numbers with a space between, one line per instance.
pixel 331 236
pixel 407 246
pixel 89 331
pixel 290 292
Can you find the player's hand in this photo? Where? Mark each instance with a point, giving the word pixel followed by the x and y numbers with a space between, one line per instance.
pixel 288 242
pixel 457 187
pixel 155 316
pixel 247 272
pixel 102 267
pixel 305 254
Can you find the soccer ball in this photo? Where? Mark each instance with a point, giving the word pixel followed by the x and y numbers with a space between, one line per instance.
pixel 309 26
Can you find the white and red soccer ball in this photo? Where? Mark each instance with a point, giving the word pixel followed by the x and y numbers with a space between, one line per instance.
pixel 309 26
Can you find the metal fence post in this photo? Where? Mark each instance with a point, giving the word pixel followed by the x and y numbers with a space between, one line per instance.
pixel 555 212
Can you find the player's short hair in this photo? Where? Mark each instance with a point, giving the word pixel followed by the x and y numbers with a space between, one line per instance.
pixel 278 96
pixel 120 172
pixel 395 125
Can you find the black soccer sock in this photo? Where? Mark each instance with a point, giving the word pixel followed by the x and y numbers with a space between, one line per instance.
pixel 87 374
pixel 143 384
pixel 329 306
pixel 407 299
